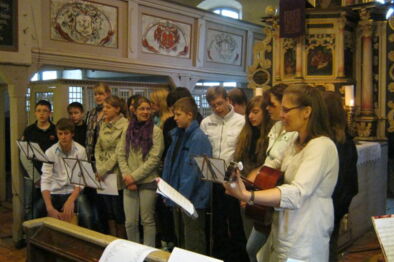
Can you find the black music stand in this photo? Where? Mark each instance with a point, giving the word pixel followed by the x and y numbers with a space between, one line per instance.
pixel 80 172
pixel 33 152
pixel 212 169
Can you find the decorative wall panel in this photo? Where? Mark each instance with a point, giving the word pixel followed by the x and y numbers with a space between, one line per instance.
pixel 165 37
pixel 84 23
pixel 320 53
pixel 289 57
pixel 224 47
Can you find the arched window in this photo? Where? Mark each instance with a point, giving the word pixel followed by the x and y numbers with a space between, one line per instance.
pixel 225 11
pixel 229 8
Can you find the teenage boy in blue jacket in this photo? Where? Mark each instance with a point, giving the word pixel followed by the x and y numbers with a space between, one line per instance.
pixel 182 173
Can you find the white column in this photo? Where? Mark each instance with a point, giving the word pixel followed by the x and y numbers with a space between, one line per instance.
pixel 60 102
pixel 17 80
pixel 17 124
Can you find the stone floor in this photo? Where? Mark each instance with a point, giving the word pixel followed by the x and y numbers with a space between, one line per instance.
pixel 8 252
pixel 365 249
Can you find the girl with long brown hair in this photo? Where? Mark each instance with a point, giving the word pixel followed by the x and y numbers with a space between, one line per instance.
pixel 253 140
pixel 251 151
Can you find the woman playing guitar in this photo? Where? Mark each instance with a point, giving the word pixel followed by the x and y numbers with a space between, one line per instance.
pixel 303 220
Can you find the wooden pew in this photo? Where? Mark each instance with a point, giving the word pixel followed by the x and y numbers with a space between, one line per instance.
pixel 50 239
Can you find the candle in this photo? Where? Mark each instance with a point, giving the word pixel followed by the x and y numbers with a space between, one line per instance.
pixel 349 95
pixel 259 91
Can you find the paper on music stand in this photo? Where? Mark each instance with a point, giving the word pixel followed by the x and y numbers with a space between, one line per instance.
pixel 164 189
pixel 25 148
pixel 384 227
pixel 38 153
pixel 109 185
pixel 90 175
pixel 181 255
pixel 212 169
pixel 80 172
pixel 30 169
pixel 125 251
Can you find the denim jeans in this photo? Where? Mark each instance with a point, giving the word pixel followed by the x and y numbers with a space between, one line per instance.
pixel 57 202
pixel 97 210
pixel 256 241
pixel 80 208
pixel 32 196
pixel 84 210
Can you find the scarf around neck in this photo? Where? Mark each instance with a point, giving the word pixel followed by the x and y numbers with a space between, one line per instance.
pixel 139 136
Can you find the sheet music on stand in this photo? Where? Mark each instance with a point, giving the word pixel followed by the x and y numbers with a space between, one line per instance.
pixel 384 228
pixel 212 169
pixel 80 172
pixel 25 148
pixel 32 151
pixel 164 189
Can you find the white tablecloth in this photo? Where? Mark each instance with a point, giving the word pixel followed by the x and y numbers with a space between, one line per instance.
pixel 368 151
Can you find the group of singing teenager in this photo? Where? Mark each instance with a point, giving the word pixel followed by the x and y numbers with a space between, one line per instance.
pixel 298 130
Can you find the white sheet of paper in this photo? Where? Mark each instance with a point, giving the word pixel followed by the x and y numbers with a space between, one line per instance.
pixel 182 255
pixel 384 227
pixel 164 189
pixel 29 167
pixel 109 185
pixel 38 153
pixel 218 166
pixel 125 251
pixel 24 147
pixel 294 260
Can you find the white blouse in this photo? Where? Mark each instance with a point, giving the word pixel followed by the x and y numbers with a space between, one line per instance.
pixel 279 142
pixel 303 223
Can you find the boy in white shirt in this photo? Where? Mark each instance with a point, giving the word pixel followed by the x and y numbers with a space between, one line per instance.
pixel 58 194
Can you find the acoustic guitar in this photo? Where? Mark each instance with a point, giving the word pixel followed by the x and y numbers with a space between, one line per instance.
pixel 266 178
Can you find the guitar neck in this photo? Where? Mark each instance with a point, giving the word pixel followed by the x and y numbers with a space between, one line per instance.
pixel 249 184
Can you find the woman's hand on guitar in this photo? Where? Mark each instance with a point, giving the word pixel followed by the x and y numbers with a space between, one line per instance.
pixel 236 188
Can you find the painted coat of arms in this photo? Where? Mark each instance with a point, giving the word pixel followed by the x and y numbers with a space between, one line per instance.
pixel 165 37
pixel 84 22
pixel 224 48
